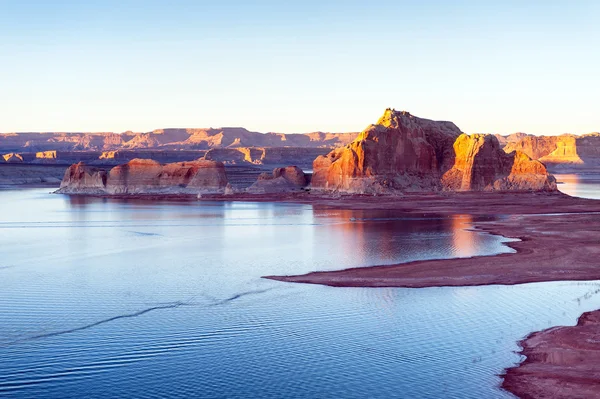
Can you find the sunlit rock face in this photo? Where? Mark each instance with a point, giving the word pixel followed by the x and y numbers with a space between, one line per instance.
pixel 562 152
pixel 282 180
pixel 402 152
pixel 12 158
pixel 145 176
pixel 480 164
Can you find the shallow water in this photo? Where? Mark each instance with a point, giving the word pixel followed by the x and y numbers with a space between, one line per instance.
pixel 102 298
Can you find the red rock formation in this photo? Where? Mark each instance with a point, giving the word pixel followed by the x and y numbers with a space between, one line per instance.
pixel 480 164
pixel 145 176
pixel 290 178
pixel 80 177
pixel 406 153
pixel 401 152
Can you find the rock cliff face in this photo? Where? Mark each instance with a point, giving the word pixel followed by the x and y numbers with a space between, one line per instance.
pixel 82 178
pixel 480 164
pixel 145 176
pixel 406 153
pixel 560 153
pixel 288 179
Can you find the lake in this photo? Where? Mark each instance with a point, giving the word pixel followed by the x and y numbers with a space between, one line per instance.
pixel 104 298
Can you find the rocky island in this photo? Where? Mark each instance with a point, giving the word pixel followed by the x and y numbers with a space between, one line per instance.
pixel 145 176
pixel 405 153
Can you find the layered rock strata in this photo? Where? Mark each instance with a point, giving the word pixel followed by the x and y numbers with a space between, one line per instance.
pixel 145 176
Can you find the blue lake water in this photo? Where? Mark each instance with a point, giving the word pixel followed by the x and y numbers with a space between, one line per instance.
pixel 102 298
pixel 579 185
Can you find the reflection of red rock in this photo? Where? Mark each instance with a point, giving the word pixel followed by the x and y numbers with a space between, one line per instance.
pixel 141 176
pixel 406 153
pixel 463 241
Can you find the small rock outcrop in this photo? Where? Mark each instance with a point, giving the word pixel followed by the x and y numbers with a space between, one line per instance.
pixel 402 152
pixel 288 179
pixel 145 176
pixel 82 178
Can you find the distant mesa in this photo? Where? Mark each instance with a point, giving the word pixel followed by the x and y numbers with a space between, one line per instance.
pixel 12 158
pixel 562 153
pixel 168 139
pixel 402 152
pixel 146 176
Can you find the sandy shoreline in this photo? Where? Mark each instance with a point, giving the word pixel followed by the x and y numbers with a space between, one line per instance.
pixel 558 233
pixel 562 362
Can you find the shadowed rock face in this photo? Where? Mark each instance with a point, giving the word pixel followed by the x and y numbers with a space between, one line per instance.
pixel 145 176
pixel 288 179
pixel 407 153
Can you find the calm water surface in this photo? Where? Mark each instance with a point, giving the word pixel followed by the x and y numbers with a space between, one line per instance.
pixel 102 298
pixel 580 185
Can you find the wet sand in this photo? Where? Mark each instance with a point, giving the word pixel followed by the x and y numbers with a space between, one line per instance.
pixel 562 362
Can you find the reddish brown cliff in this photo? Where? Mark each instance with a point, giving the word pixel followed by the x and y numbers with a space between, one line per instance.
pixel 80 177
pixel 480 164
pixel 406 153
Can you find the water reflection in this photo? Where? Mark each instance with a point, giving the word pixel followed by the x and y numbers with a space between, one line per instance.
pixel 90 269
pixel 579 185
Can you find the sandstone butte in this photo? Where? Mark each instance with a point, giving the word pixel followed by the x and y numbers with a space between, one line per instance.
pixel 145 176
pixel 282 180
pixel 402 152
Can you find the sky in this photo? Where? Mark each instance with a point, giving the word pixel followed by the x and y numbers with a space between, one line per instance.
pixel 299 66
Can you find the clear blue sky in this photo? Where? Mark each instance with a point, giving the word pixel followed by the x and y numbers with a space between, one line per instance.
pixel 489 66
